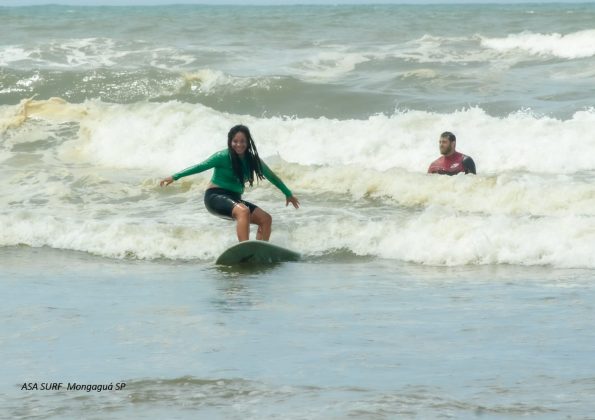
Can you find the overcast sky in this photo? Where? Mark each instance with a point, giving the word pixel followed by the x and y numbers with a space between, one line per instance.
pixel 266 2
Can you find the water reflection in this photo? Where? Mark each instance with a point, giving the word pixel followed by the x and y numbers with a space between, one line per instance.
pixel 242 287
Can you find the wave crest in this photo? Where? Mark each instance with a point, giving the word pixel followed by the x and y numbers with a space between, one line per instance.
pixel 574 45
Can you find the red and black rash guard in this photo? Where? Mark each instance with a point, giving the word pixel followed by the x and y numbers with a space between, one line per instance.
pixel 452 165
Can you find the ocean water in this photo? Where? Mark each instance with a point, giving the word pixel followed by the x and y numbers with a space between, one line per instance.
pixel 346 104
pixel 324 339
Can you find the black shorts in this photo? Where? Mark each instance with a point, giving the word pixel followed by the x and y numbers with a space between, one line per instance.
pixel 221 202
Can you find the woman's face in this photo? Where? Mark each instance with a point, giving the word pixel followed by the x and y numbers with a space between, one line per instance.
pixel 239 143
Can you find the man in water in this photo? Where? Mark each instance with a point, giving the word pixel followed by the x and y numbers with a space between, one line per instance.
pixel 451 162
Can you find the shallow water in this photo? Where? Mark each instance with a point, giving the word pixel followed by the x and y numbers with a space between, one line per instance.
pixel 317 339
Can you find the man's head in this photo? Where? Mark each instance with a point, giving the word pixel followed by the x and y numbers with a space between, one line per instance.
pixel 447 143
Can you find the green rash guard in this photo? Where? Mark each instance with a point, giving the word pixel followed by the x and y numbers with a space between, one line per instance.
pixel 224 177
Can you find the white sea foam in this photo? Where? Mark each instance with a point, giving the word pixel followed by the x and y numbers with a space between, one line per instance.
pixel 498 51
pixel 93 53
pixel 440 236
pixel 170 135
pixel 329 65
pixel 13 54
pixel 436 236
pixel 207 81
pixel 436 49
pixel 574 45
pixel 362 183
pixel 84 52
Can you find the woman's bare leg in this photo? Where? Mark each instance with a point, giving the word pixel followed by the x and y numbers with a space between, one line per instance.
pixel 264 221
pixel 241 214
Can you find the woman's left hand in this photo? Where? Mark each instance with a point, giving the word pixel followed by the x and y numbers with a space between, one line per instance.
pixel 166 181
pixel 293 200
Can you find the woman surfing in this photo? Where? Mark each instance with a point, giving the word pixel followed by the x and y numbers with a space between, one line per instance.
pixel 235 166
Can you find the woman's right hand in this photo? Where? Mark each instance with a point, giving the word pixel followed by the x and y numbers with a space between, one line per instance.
pixel 293 200
pixel 166 181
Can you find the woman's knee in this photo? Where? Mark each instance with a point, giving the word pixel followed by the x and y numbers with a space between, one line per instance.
pixel 261 218
pixel 240 211
pixel 267 219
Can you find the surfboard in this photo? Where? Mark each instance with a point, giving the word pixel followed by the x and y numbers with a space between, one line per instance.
pixel 256 252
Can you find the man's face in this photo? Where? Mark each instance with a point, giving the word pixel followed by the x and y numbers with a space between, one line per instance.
pixel 446 146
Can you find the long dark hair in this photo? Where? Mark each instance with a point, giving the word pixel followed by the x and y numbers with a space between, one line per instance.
pixel 251 156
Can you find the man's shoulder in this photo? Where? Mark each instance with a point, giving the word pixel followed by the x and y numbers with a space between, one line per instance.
pixel 469 164
pixel 466 159
pixel 437 161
